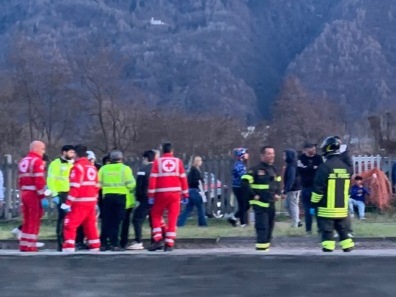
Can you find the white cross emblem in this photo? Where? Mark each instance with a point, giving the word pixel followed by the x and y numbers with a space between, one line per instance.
pixel 169 166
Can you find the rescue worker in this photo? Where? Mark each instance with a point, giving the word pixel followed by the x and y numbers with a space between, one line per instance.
pixel 58 183
pixel 129 205
pixel 117 181
pixel 167 183
pixel 330 196
pixel 238 171
pixel 262 185
pixel 143 209
pixel 31 182
pixel 81 201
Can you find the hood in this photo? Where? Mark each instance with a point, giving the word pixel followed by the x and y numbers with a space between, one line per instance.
pixel 291 156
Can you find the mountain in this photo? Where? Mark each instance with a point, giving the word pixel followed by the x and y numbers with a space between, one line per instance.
pixel 225 57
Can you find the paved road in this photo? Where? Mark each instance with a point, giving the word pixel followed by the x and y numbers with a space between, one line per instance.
pixel 193 273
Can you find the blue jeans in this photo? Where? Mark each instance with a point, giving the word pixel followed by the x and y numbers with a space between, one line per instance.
pixel 360 205
pixel 306 200
pixel 194 200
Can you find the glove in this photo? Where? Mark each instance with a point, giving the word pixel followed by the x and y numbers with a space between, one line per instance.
pixel 44 203
pixel 312 211
pixel 66 208
pixel 55 200
pixel 151 201
pixel 184 201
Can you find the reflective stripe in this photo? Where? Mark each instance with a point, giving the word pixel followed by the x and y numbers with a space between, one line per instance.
pixel 171 189
pixel 28 188
pixel 346 191
pixel 315 197
pixel 112 185
pixel 158 235
pixel 27 243
pixel 151 191
pixel 169 240
pixel 88 183
pixel 167 174
pixel 183 175
pixel 248 177
pixel 347 243
pixel 70 241
pixel 259 187
pixel 328 244
pixel 155 230
pixel 331 187
pixel 262 245
pixel 31 174
pixel 94 241
pixel 332 213
pixel 29 236
pixel 185 192
pixel 278 179
pixel 258 203
pixel 94 250
pixel 170 234
pixel 68 250
pixel 76 185
pixel 81 199
pixel 141 173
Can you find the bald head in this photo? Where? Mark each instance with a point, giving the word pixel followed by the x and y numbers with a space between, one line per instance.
pixel 37 147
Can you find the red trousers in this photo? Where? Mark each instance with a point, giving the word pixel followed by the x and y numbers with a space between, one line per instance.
pixel 32 213
pixel 171 203
pixel 84 215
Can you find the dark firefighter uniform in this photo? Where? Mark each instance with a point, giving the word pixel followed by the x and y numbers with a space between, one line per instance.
pixel 330 198
pixel 261 183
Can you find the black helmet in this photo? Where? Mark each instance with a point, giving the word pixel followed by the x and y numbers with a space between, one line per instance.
pixel 331 145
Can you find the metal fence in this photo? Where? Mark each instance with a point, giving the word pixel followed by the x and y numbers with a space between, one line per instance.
pixel 216 172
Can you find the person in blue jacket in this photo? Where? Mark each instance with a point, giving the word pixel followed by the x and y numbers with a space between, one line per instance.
pixel 238 170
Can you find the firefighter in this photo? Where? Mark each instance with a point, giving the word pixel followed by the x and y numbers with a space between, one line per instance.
pixel 117 182
pixel 80 204
pixel 167 184
pixel 261 185
pixel 330 196
pixel 31 182
pixel 58 183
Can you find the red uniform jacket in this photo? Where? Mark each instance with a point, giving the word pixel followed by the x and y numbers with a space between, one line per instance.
pixel 31 174
pixel 84 185
pixel 168 176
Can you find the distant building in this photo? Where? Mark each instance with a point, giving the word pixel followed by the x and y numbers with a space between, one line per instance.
pixel 156 22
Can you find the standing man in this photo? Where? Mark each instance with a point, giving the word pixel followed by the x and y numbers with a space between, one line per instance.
pixel 167 183
pixel 143 209
pixel 262 185
pixel 330 196
pixel 31 183
pixel 117 181
pixel 238 171
pixel 307 166
pixel 291 189
pixel 58 183
pixel 81 202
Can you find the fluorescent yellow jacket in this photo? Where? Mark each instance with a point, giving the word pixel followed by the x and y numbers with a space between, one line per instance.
pixel 117 178
pixel 58 176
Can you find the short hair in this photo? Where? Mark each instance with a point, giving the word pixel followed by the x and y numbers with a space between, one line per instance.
pixel 81 150
pixel 167 148
pixel 264 148
pixel 358 177
pixel 106 159
pixel 149 155
pixel 67 147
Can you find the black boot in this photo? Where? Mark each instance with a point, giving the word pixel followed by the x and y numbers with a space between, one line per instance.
pixel 348 250
pixel 232 221
pixel 155 246
pixel 327 250
pixel 167 248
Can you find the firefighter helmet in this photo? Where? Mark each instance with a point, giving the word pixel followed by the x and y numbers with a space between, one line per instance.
pixel 331 145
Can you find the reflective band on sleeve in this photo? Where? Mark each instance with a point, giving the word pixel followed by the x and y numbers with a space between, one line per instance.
pixel 183 175
pixel 41 192
pixel 259 187
pixel 248 177
pixel 258 203
pixel 28 188
pixel 315 197
pixel 75 185
pixel 71 198
pixel 141 173
pixel 31 174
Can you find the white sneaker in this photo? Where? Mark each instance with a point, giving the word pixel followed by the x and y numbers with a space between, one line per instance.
pixel 243 225
pixel 17 233
pixel 40 244
pixel 350 235
pixel 135 246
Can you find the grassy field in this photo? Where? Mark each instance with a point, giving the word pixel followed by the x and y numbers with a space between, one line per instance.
pixel 374 226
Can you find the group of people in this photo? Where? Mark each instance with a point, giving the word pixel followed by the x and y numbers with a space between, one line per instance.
pixel 80 187
pixel 322 181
